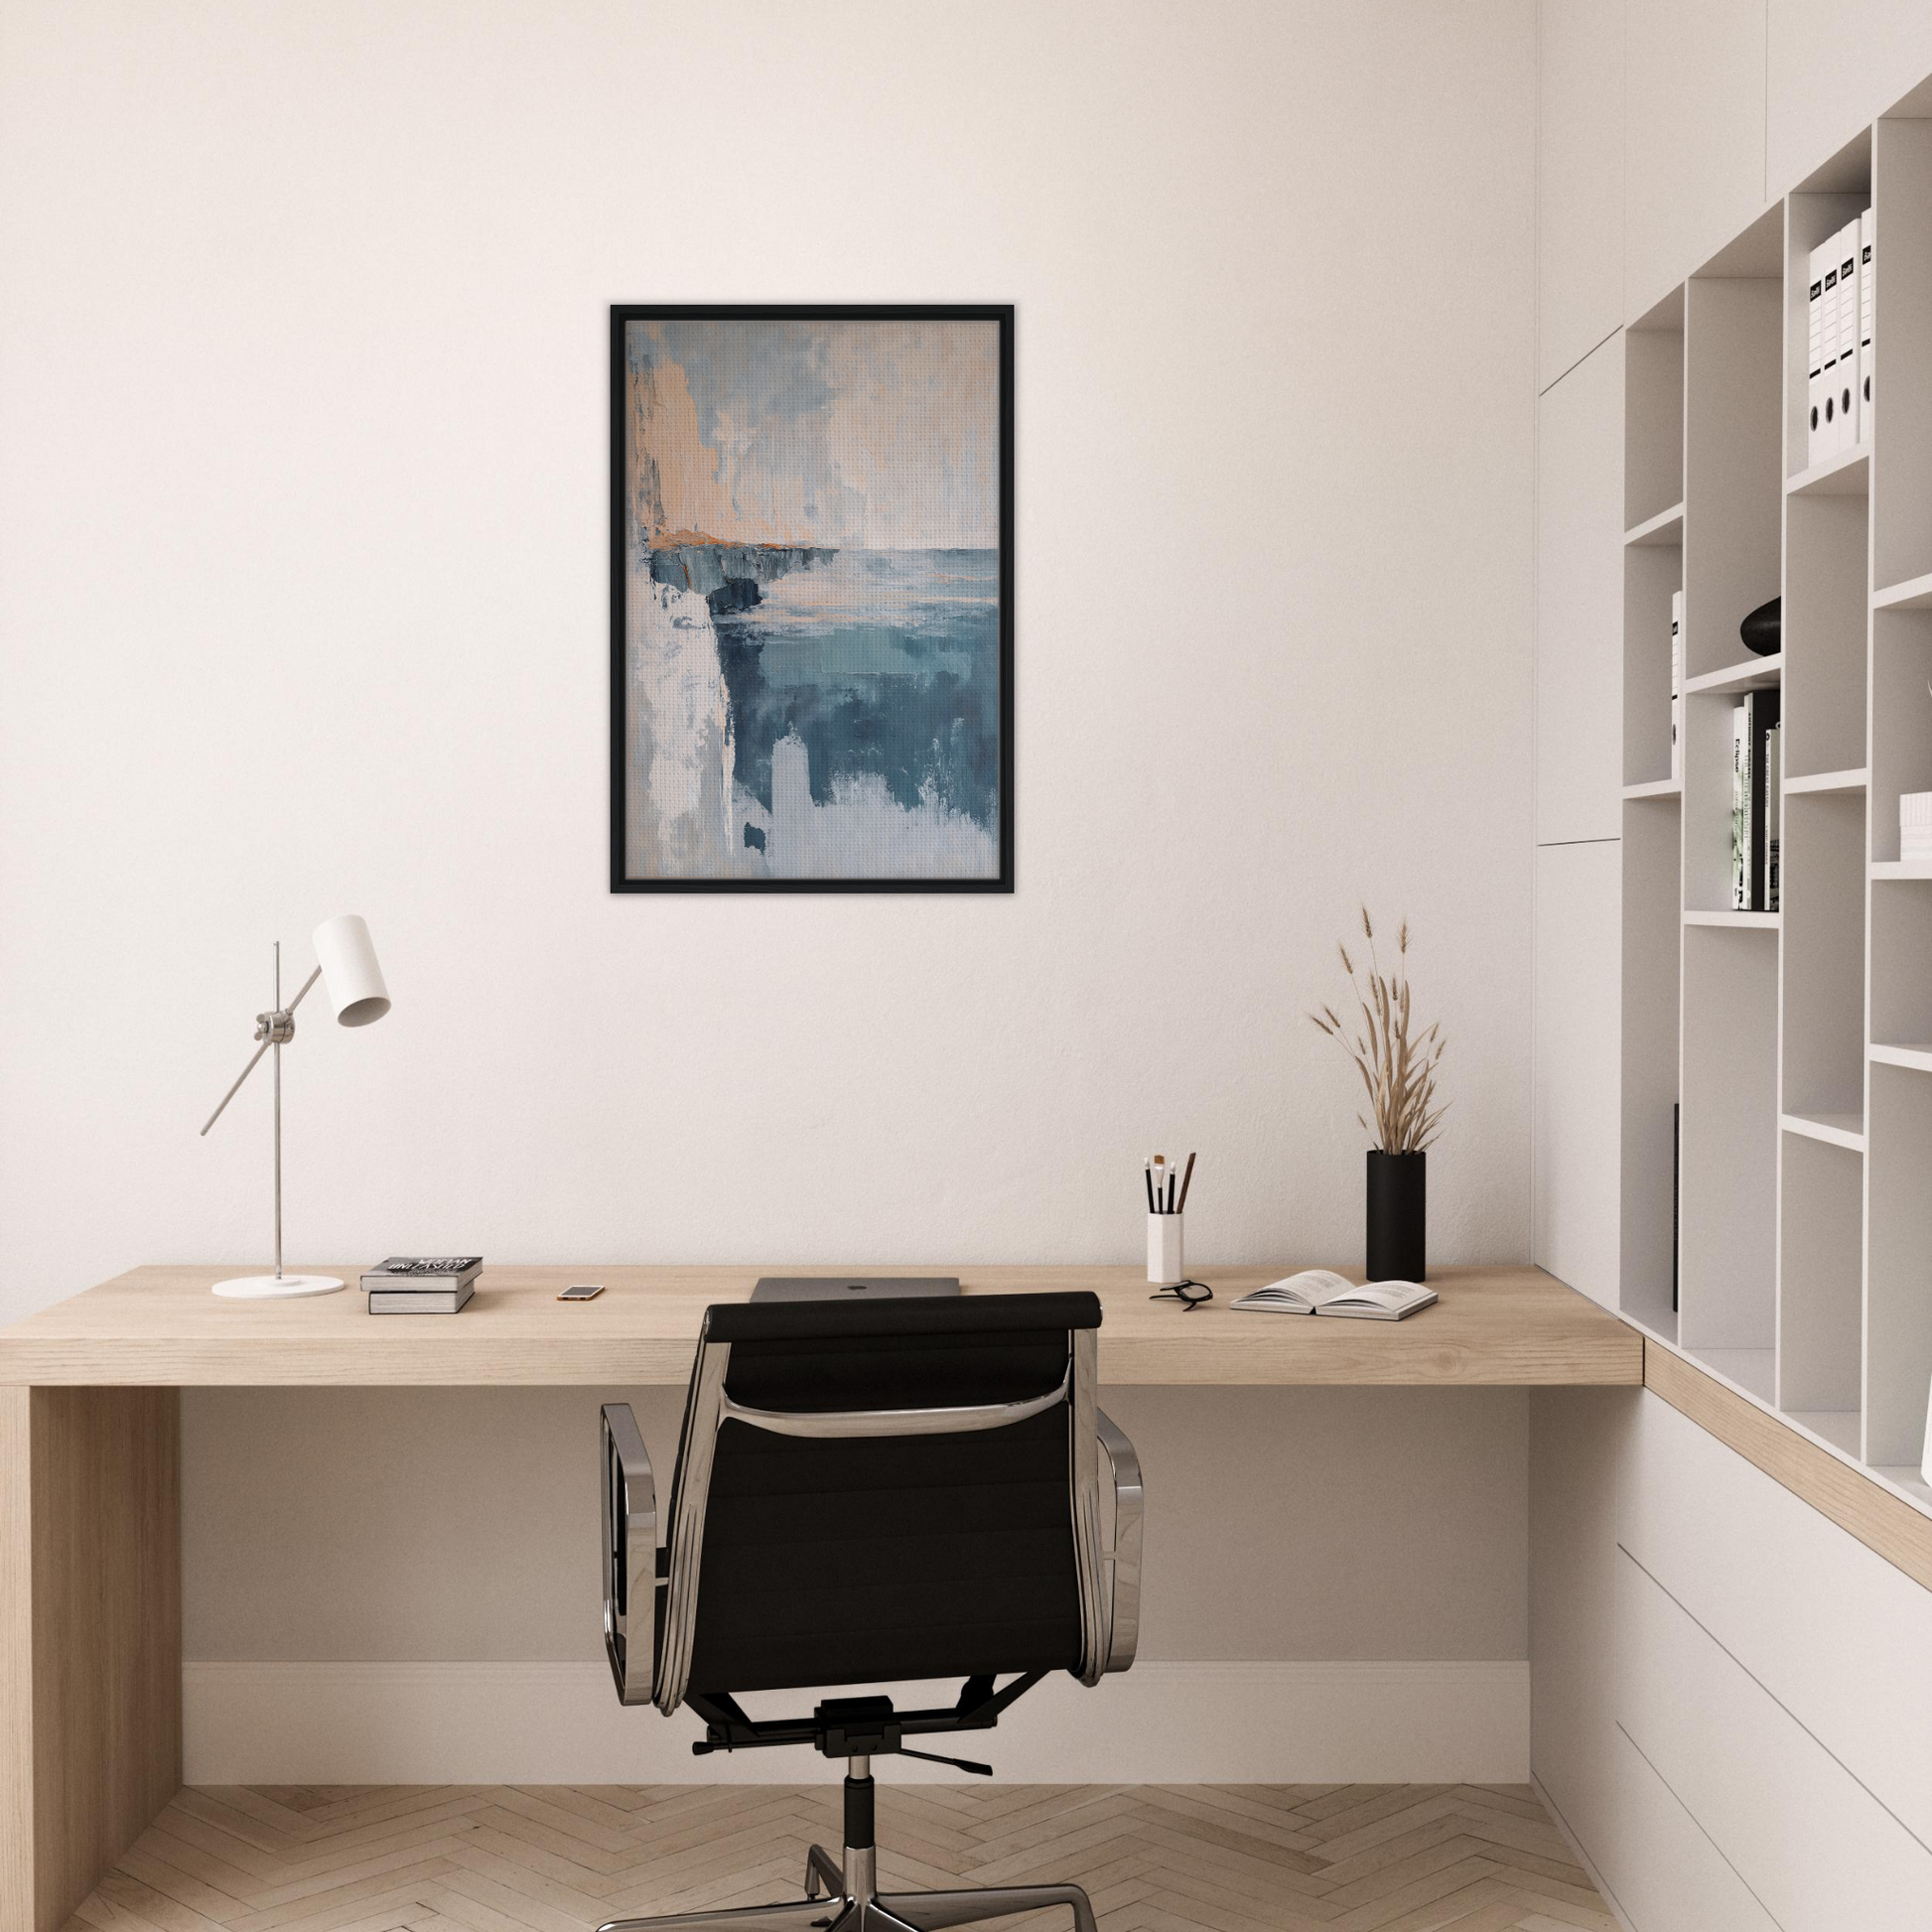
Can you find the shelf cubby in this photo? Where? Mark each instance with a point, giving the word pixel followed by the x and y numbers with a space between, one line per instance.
pixel 1898 1310
pixel 1826 611
pixel 1823 921
pixel 1733 480
pixel 1653 434
pixel 1652 952
pixel 1821 1270
pixel 1901 401
pixel 1652 573
pixel 1901 719
pixel 1901 963
pixel 1707 804
pixel 1729 1083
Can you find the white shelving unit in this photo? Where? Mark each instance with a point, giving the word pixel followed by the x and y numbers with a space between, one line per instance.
pixel 1797 1043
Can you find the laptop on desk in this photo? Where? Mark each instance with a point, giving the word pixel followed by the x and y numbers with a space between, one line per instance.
pixel 850 1287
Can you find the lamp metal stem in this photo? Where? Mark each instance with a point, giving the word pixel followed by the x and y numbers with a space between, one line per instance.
pixel 278 1116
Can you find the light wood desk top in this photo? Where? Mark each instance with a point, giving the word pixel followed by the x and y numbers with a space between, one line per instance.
pixel 159 1326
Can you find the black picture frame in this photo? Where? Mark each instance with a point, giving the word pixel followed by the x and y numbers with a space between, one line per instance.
pixel 623 314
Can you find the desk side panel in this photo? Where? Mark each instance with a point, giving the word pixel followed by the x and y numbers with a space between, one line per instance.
pixel 104 1540
pixel 16 1665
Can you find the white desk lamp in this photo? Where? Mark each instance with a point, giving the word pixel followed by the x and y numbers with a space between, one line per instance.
pixel 346 965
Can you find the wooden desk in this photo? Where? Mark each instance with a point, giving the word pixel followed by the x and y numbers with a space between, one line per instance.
pixel 161 1327
pixel 89 1462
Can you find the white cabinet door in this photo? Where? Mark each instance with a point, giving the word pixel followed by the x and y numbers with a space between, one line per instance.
pixel 1783 1588
pixel 1692 137
pixel 1578 180
pixel 1818 1851
pixel 1574 1113
pixel 1833 66
pixel 1580 602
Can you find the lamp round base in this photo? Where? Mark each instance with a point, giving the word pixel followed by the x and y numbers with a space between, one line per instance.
pixel 276 1288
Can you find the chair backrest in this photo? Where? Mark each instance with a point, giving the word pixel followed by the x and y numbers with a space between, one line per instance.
pixel 885 1491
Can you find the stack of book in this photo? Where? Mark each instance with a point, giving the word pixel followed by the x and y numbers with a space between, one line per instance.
pixel 1839 346
pixel 422 1284
pixel 1755 803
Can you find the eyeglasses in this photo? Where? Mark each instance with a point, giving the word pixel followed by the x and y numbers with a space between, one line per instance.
pixel 1190 1295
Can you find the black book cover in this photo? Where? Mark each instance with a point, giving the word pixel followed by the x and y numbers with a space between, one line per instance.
pixel 1760 714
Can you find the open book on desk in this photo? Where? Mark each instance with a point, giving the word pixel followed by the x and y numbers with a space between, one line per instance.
pixel 1321 1290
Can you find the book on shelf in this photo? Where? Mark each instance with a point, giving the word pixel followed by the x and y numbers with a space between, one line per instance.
pixel 1753 819
pixel 1740 811
pixel 1677 688
pixel 420 1300
pixel 1773 807
pixel 1321 1290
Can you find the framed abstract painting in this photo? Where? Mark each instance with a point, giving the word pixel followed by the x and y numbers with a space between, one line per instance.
pixel 811 599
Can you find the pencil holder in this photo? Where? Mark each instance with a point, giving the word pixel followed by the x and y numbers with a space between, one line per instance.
pixel 1164 1262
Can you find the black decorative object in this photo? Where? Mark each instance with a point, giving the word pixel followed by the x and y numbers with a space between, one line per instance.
pixel 1763 631
pixel 1398 1216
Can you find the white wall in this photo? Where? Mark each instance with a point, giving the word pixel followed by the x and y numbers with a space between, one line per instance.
pixel 302 472
pixel 303 460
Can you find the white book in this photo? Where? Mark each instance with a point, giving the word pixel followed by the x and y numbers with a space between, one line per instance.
pixel 1741 810
pixel 1321 1290
pixel 1867 301
pixel 1848 337
pixel 1815 358
pixel 1773 812
pixel 1677 686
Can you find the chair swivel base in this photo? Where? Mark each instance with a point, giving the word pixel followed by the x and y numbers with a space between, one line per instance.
pixel 849 1905
pixel 850 1900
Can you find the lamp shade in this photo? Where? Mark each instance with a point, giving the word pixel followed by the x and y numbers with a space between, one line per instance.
pixel 349 975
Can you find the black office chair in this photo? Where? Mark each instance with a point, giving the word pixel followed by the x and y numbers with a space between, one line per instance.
pixel 866 1494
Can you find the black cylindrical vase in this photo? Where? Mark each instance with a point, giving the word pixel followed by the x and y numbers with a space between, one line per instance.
pixel 1398 1216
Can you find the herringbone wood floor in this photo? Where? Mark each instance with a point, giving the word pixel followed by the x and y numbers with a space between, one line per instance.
pixel 561 1858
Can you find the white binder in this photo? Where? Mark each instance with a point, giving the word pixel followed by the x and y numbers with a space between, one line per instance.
pixel 1818 311
pixel 1848 336
pixel 1866 301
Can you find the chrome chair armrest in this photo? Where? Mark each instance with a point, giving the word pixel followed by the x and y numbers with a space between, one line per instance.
pixel 1124 1559
pixel 630 1555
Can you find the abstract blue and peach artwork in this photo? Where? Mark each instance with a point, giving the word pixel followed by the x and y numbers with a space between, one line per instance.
pixel 812 570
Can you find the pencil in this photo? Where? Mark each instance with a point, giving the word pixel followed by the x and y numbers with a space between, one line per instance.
pixel 1185 1180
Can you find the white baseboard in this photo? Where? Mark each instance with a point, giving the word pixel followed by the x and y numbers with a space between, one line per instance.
pixel 561 1723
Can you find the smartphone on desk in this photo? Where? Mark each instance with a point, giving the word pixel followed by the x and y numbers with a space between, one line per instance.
pixel 582 1292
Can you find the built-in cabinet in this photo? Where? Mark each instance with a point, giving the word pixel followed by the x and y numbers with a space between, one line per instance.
pixel 1730 1690
pixel 1777 1064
